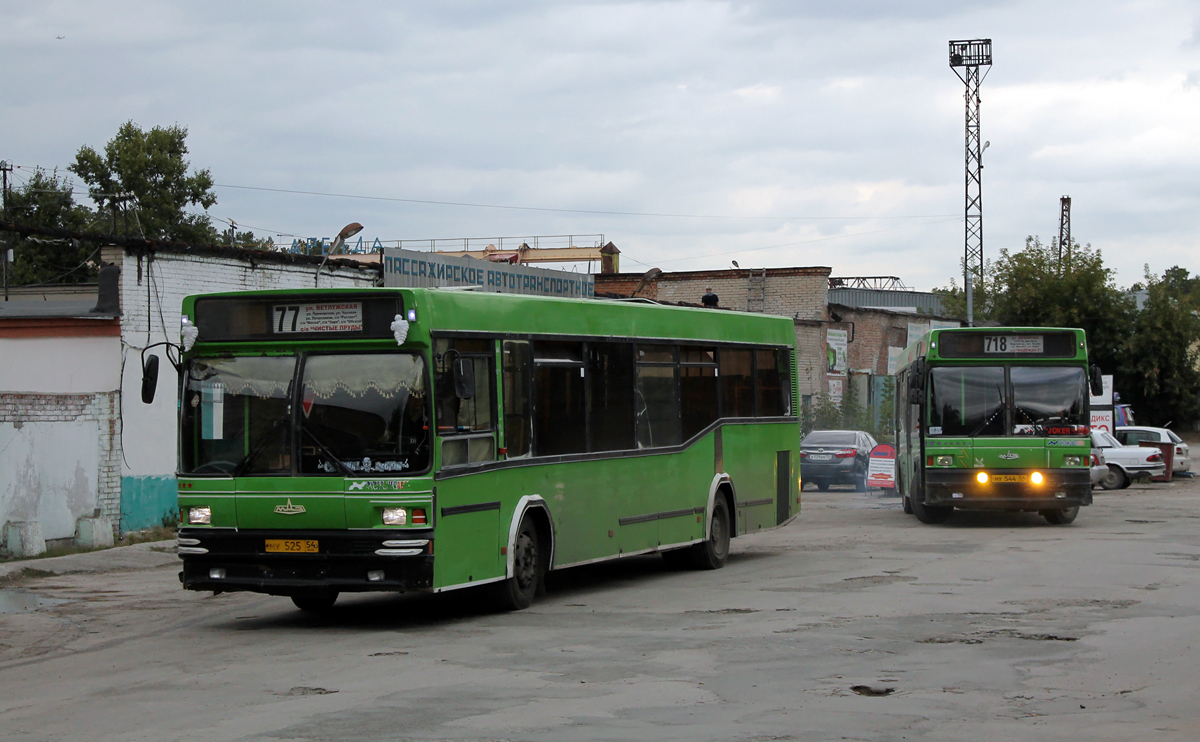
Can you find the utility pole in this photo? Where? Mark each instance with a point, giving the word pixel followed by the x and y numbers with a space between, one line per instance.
pixel 1064 232
pixel 969 56
pixel 6 168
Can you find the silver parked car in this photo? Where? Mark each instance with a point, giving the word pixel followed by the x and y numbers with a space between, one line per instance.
pixel 1132 435
pixel 1126 463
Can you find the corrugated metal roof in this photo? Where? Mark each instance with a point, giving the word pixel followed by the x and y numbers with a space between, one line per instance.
pixel 921 301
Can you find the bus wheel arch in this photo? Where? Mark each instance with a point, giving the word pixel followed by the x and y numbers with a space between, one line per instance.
pixel 722 487
pixel 534 508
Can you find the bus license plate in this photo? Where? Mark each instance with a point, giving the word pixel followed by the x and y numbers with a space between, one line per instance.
pixel 1010 477
pixel 291 546
pixel 819 457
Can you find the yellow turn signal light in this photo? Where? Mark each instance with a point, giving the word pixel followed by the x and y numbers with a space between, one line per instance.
pixel 981 477
pixel 1036 477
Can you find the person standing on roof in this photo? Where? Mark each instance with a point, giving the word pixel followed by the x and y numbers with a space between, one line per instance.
pixel 709 299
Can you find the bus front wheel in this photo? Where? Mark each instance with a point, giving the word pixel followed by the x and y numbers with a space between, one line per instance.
pixel 518 591
pixel 927 513
pixel 712 553
pixel 1061 517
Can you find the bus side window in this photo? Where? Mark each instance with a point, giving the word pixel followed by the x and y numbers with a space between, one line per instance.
pixel 657 404
pixel 468 424
pixel 698 389
pixel 558 399
pixel 610 402
pixel 770 386
pixel 517 367
pixel 737 383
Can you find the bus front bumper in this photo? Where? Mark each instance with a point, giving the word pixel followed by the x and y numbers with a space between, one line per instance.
pixel 1060 488
pixel 228 560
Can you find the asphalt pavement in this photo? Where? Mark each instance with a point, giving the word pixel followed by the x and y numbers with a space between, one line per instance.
pixel 853 622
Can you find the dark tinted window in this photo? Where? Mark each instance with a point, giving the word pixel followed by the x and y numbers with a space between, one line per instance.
pixel 558 391
pixel 658 422
pixel 517 368
pixel 698 393
pixel 770 387
pixel 737 383
pixel 611 400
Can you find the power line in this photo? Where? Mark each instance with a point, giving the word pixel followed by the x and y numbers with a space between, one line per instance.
pixel 809 242
pixel 568 211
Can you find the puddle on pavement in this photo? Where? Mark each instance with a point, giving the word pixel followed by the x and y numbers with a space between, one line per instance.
pixel 16 600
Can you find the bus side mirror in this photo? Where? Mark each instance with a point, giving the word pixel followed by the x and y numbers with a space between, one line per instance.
pixel 464 378
pixel 1097 381
pixel 149 379
pixel 916 377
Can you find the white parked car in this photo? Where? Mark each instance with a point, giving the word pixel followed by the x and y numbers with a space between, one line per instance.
pixel 1099 467
pixel 1132 435
pixel 1126 463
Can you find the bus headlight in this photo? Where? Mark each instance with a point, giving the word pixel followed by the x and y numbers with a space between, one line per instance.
pixel 944 461
pixel 1072 460
pixel 1036 477
pixel 201 516
pixel 395 516
pixel 981 477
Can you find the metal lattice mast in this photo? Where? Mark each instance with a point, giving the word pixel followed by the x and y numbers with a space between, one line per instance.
pixel 966 58
pixel 1064 232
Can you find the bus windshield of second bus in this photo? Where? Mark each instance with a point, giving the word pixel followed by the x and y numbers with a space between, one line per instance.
pixel 1014 400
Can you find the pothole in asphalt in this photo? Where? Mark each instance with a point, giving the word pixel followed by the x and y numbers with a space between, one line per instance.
pixel 302 690
pixel 872 690
pixel 15 600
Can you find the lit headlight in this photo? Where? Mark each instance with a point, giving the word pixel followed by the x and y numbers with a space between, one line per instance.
pixel 395 516
pixel 981 477
pixel 201 516
pixel 1072 460
pixel 1036 477
pixel 944 461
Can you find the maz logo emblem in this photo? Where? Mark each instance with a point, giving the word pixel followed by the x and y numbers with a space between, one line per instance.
pixel 289 509
pixel 1010 456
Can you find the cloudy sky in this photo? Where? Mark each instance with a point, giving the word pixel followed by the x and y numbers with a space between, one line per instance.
pixel 688 133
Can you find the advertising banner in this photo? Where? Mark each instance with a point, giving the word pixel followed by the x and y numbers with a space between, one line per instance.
pixel 413 269
pixel 835 352
pixel 1106 397
pixel 835 391
pixel 1102 420
pixel 881 471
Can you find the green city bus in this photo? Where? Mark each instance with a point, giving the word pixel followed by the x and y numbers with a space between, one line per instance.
pixel 995 418
pixel 351 440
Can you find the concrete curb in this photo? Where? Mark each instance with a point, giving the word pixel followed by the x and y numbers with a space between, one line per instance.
pixel 134 557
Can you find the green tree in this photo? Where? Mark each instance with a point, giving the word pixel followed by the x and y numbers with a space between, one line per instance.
pixel 46 200
pixel 983 291
pixel 1160 376
pixel 146 173
pixel 1034 289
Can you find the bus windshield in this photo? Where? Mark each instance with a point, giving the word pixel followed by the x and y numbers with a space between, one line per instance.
pixel 967 400
pixel 972 400
pixel 356 415
pixel 1047 397
pixel 235 415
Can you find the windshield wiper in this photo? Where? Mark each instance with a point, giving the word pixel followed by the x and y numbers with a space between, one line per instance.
pixel 325 450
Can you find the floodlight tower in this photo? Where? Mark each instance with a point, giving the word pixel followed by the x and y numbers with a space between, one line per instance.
pixel 1064 231
pixel 966 57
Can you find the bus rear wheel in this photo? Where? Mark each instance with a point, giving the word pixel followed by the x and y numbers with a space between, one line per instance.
pixel 518 591
pixel 1061 517
pixel 927 513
